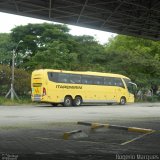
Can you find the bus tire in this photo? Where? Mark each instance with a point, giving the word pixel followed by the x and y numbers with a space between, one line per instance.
pixel 67 101
pixel 77 101
pixel 122 101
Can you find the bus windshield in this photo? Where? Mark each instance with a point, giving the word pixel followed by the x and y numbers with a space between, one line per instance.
pixel 132 87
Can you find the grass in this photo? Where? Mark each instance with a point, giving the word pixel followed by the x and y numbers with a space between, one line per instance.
pixel 9 102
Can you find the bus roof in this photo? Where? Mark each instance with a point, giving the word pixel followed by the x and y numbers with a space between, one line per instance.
pixel 82 72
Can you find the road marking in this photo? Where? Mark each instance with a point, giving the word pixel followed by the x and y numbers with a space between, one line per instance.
pixel 134 139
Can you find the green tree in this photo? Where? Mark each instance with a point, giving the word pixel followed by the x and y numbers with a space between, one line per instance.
pixel 134 57
pixel 56 56
pixel 51 46
pixel 90 53
pixel 6 47
pixel 35 37
pixel 22 81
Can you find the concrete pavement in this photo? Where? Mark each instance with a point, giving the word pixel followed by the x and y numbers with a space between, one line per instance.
pixel 37 131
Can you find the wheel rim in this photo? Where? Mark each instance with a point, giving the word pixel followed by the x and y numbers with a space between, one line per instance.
pixel 78 102
pixel 68 101
pixel 123 101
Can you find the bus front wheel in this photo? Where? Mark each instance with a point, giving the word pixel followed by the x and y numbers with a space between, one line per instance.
pixel 67 101
pixel 77 101
pixel 122 101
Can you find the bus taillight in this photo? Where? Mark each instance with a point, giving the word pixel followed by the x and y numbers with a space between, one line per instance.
pixel 44 91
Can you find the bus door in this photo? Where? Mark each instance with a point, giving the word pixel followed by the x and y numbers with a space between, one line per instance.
pixel 120 88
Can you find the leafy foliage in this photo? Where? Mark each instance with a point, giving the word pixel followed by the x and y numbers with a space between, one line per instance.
pixel 134 57
pixel 5 48
pixel 51 46
pixel 22 81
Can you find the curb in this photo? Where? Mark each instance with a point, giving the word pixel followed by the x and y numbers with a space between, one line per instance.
pixel 97 125
pixel 140 130
pixel 85 123
pixel 130 129
pixel 66 135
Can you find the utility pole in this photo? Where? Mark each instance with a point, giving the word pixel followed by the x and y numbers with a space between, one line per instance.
pixel 12 91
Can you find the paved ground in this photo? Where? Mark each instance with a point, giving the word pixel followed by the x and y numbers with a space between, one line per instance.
pixel 37 131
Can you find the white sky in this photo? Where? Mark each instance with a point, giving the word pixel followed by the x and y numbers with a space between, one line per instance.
pixel 9 21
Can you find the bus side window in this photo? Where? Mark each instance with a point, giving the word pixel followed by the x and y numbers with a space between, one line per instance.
pixel 118 82
pixel 108 81
pixel 63 78
pixel 75 78
pixel 52 76
pixel 113 81
pixel 87 80
pixel 98 80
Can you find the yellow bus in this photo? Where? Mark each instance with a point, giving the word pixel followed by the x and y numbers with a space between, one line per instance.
pixel 72 88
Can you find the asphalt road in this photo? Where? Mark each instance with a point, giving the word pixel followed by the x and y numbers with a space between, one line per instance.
pixel 27 131
pixel 43 114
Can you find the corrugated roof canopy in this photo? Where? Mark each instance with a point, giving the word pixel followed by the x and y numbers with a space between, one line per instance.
pixel 129 17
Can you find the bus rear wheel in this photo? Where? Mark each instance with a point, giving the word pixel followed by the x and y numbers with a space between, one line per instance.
pixel 77 101
pixel 67 101
pixel 122 101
